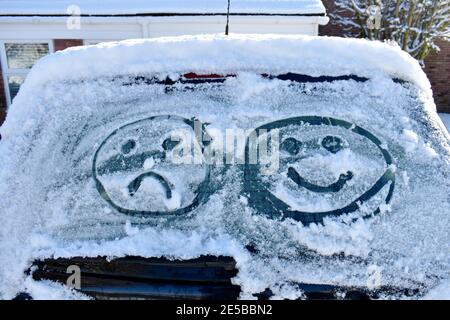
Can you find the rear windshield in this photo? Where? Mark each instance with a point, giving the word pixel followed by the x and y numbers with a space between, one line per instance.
pixel 350 174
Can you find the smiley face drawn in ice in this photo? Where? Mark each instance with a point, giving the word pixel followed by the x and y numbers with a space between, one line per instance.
pixel 327 167
pixel 134 172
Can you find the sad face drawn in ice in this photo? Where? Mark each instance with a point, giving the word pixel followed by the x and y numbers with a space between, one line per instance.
pixel 328 167
pixel 134 172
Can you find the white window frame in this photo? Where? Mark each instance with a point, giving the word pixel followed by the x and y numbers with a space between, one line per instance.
pixel 6 72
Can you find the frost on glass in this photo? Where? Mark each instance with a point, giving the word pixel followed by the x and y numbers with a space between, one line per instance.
pixel 354 168
pixel 87 174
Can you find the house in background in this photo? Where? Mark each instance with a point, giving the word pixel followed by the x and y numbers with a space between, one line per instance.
pixel 30 29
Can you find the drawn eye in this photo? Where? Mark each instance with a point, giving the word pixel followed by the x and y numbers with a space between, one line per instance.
pixel 332 144
pixel 168 144
pixel 291 146
pixel 128 146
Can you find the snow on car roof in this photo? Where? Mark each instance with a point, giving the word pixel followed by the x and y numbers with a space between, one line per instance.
pixel 117 7
pixel 313 56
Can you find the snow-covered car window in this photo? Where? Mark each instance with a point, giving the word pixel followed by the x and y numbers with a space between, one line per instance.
pixel 359 188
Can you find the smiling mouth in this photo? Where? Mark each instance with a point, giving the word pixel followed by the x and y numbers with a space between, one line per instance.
pixel 334 187
pixel 134 185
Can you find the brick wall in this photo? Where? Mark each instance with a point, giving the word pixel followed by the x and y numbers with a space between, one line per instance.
pixel 437 65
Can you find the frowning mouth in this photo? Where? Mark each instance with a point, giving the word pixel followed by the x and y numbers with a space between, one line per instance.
pixel 134 185
pixel 334 187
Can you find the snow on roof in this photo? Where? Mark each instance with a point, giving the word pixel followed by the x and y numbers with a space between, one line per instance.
pixel 118 7
pixel 314 56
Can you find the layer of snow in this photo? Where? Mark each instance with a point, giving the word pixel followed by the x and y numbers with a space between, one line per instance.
pixel 118 7
pixel 74 99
